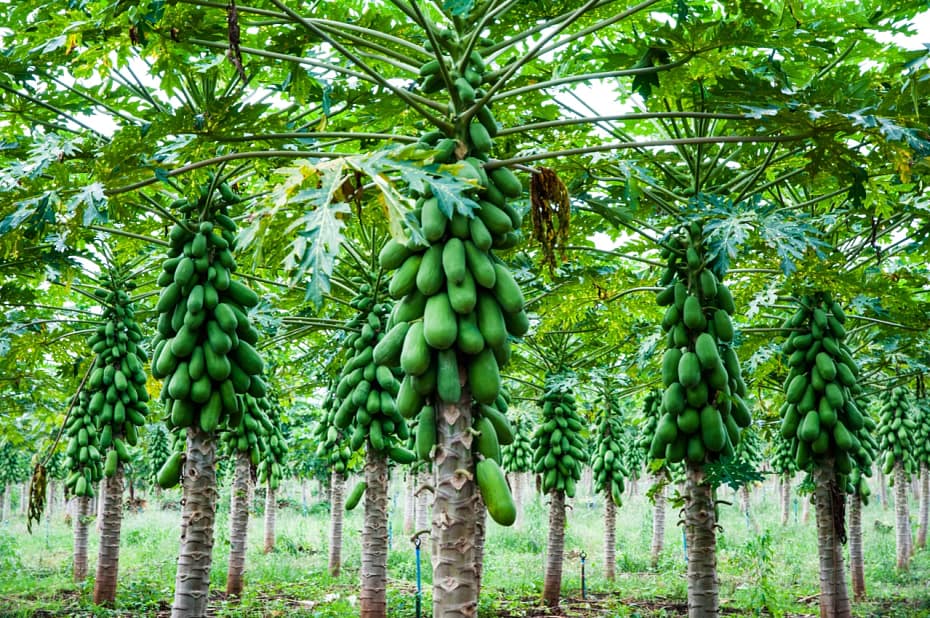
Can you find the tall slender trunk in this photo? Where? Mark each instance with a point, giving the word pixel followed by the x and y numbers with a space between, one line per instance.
pixel 481 528
pixel 924 504
pixel 829 501
pixel 8 504
pixel 337 486
pixel 24 499
pixel 902 521
pixel 785 498
pixel 516 482
pixel 108 553
pixel 303 494
pixel 744 499
pixel 373 596
pixel 50 499
pixel 423 499
pixel 658 525
pixel 856 562
pixel 239 522
pixel 552 584
pixel 587 481
pixel 410 503
pixel 271 507
pixel 700 525
pixel 4 498
pixel 805 509
pixel 455 582
pixel 882 487
pixel 610 538
pixel 79 524
pixel 101 492
pixel 198 515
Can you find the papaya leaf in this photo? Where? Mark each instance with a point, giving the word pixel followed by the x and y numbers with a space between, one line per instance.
pixel 319 243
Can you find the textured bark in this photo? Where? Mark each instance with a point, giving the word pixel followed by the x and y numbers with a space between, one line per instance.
pixel 700 527
pixel 108 553
pixel 79 525
pixel 552 584
pixel 924 504
pixel 101 492
pixel 658 525
pixel 24 498
pixel 423 500
pixel 271 507
pixel 337 486
pixel 198 515
pixel 239 523
pixel 455 582
pixel 410 503
pixel 828 500
pixel 785 498
pixel 744 499
pixel 610 538
pixel 856 563
pixel 902 521
pixel 50 499
pixel 373 595
pixel 882 487
pixel 481 528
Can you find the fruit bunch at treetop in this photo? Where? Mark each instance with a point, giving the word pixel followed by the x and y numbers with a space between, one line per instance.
pixel 254 435
pixel 819 416
pixel 896 430
pixel 158 447
pixel 204 345
pixel 607 459
pixel 169 474
pixel 922 435
pixel 115 388
pixel 558 448
pixel 368 383
pixel 332 443
pixel 518 455
pixel 703 409
pixel 630 453
pixel 652 411
pixel 749 449
pixel 782 460
pixel 274 454
pixel 83 455
pixel 492 432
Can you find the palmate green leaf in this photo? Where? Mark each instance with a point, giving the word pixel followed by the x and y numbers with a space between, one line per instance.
pixel 459 8
pixel 319 244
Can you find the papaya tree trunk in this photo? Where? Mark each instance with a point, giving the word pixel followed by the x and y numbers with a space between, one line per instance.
pixel 700 526
pixel 610 538
pixel 658 525
pixel 271 507
pixel 423 499
pixel 552 584
pixel 410 503
pixel 481 529
pixel 24 499
pixel 517 491
pixel 902 521
pixel 79 525
pixel 337 487
pixel 373 595
pixel 239 522
pixel 856 562
pixel 882 487
pixel 108 553
pixel 50 499
pixel 455 581
pixel 198 515
pixel 744 499
pixel 785 499
pixel 101 492
pixel 829 503
pixel 805 509
pixel 924 506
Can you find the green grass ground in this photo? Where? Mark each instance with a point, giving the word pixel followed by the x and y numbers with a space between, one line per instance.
pixel 773 572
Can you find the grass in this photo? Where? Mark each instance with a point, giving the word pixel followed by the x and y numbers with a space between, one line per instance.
pixel 772 571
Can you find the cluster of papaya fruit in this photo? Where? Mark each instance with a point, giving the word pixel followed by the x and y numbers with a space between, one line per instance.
pixel 703 407
pixel 493 430
pixel 782 461
pixel 254 433
pixel 368 383
pixel 652 411
pixel 332 445
pixel 203 347
pixel 114 397
pixel 819 415
pixel 158 448
pixel 274 456
pixel 896 430
pixel 922 435
pixel 83 456
pixel 169 474
pixel 518 455
pixel 856 480
pixel 749 449
pixel 558 449
pixel 607 460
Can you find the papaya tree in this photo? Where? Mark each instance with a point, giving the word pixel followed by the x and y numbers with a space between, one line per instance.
pixel 783 465
pixel 85 468
pixel 922 455
pixel 272 467
pixel 117 401
pixel 655 463
pixel 857 487
pixel 748 453
pixel 205 356
pixel 158 446
pixel 609 473
pixel 518 460
pixel 896 441
pixel 825 427
pixel 703 411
